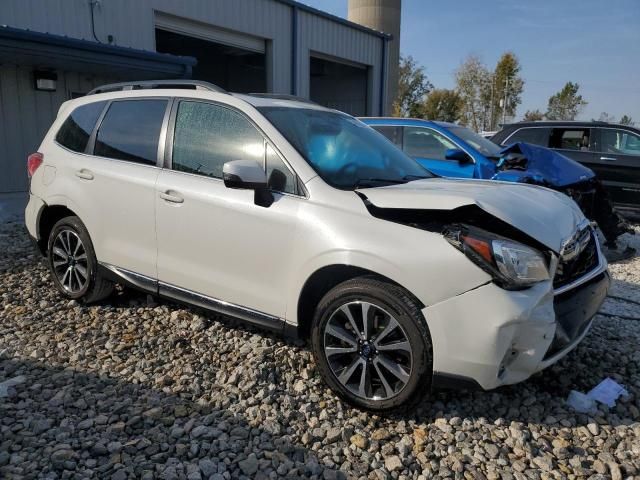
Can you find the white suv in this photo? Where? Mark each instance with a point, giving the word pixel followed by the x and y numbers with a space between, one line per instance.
pixel 303 220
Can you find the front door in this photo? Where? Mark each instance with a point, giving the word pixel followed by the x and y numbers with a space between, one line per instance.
pixel 429 148
pixel 215 243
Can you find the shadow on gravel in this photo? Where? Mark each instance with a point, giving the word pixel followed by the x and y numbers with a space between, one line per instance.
pixel 61 419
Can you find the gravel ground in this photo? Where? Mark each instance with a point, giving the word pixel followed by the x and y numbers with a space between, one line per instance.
pixel 132 388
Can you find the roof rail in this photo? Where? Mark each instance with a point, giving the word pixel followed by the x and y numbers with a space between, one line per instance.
pixel 152 84
pixel 282 96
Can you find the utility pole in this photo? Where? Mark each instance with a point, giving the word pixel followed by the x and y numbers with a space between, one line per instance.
pixel 506 96
pixel 492 110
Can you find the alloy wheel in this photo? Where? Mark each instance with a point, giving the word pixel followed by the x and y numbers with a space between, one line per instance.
pixel 69 260
pixel 367 350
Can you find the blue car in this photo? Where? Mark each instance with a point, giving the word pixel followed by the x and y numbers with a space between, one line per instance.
pixel 451 150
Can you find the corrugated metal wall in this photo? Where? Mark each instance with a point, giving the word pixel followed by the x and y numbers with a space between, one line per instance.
pixel 26 114
pixel 132 24
pixel 321 35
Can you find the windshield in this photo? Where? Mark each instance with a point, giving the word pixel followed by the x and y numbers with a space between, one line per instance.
pixel 484 146
pixel 346 153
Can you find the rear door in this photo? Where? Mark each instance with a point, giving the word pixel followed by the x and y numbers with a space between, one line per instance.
pixel 122 176
pixel 429 148
pixel 575 143
pixel 112 183
pixel 617 151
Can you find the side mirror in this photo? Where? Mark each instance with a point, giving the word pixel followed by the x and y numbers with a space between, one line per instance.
pixel 457 154
pixel 248 175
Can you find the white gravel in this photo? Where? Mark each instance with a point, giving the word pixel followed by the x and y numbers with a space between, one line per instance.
pixel 132 388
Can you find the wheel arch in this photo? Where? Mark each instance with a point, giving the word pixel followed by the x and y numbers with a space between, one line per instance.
pixel 49 216
pixel 320 282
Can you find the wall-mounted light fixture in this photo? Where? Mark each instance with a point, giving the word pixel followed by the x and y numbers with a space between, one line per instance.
pixel 45 81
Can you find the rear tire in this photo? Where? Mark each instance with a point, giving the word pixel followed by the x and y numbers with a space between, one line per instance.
pixel 73 264
pixel 384 365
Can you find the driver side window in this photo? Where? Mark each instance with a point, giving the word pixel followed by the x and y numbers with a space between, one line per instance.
pixel 208 135
pixel 426 143
pixel 619 142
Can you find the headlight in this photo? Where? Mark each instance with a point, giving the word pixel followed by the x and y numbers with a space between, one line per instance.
pixel 511 264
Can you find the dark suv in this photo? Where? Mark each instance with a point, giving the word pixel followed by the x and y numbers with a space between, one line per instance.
pixel 612 151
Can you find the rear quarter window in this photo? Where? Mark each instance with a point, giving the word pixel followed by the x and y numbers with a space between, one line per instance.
pixel 75 131
pixel 536 136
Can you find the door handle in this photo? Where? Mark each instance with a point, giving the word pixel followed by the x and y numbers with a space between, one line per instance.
pixel 171 197
pixel 84 174
pixel 608 159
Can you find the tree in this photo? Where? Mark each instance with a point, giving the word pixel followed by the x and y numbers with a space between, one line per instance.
pixel 533 115
pixel 473 84
pixel 444 105
pixel 413 85
pixel 566 104
pixel 605 117
pixel 506 85
pixel 627 120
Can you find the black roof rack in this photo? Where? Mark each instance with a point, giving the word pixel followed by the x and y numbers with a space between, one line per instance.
pixel 151 84
pixel 282 96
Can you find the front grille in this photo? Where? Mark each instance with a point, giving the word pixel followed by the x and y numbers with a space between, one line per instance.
pixel 574 311
pixel 572 266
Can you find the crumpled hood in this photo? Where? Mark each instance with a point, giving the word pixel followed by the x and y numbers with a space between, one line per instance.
pixel 545 215
pixel 543 165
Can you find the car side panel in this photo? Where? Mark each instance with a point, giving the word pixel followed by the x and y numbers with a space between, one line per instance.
pixel 219 243
pixel 116 206
pixel 343 232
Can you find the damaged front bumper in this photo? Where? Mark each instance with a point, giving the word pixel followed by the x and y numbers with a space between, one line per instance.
pixel 491 337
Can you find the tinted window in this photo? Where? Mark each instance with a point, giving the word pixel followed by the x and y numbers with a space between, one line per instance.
pixel 536 136
pixel 207 136
pixel 426 143
pixel 76 129
pixel 619 142
pixel 485 146
pixel 130 131
pixel 570 138
pixel 346 153
pixel 392 133
pixel 279 176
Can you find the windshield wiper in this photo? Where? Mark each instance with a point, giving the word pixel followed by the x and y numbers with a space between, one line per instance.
pixel 374 182
pixel 415 177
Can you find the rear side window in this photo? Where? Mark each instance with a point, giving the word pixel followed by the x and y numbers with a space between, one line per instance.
pixel 570 138
pixel 207 136
pixel 76 129
pixel 392 133
pixel 426 143
pixel 130 131
pixel 536 136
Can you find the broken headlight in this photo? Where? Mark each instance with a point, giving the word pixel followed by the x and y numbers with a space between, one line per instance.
pixel 512 264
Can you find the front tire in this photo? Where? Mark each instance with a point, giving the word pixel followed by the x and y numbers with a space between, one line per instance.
pixel 372 344
pixel 73 264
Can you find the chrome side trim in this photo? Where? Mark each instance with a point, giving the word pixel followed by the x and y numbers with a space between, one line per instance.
pixel 602 267
pixel 226 308
pixel 132 278
pixel 190 297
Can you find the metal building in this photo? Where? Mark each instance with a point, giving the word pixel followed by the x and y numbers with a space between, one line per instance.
pixel 51 51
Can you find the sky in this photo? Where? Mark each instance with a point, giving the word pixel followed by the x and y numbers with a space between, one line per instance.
pixel 595 43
